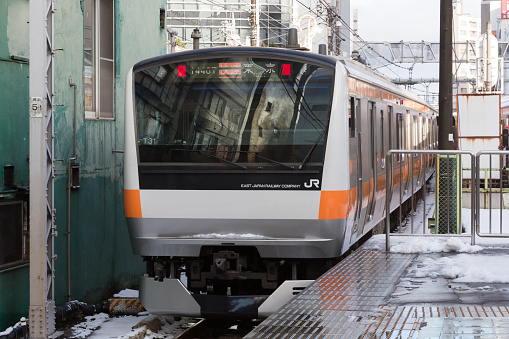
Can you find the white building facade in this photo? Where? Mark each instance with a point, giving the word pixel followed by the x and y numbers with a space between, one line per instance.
pixel 234 22
pixel 466 29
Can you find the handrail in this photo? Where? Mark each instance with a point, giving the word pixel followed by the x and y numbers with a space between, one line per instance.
pixel 490 190
pixel 389 179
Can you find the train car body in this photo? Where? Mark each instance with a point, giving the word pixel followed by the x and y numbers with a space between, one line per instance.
pixel 250 171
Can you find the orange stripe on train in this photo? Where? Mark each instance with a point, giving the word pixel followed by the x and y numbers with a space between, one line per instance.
pixel 336 204
pixel 132 203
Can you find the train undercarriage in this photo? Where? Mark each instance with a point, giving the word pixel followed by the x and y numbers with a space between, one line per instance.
pixel 234 271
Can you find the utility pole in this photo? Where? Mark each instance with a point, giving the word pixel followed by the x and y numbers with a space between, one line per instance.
pixel 255 23
pixel 42 212
pixel 331 26
pixel 445 118
pixel 355 29
pixel 337 25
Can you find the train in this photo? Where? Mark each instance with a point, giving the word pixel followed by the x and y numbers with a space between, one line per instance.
pixel 250 171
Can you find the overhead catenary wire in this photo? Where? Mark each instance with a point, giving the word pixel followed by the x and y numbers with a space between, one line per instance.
pixel 356 35
pixel 226 7
pixel 264 14
pixel 345 37
pixel 338 34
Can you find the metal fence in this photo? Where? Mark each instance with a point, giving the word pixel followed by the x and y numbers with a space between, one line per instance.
pixel 491 190
pixel 449 180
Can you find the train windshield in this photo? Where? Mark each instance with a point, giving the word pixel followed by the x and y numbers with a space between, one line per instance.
pixel 240 110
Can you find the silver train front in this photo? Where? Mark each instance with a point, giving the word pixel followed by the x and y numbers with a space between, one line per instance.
pixel 283 223
pixel 319 219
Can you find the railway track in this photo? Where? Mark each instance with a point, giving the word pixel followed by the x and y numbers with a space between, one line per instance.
pixel 218 329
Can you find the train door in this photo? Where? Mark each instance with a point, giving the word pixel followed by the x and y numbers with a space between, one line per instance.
pixel 408 145
pixel 371 164
pixel 382 146
pixel 422 136
pixel 398 175
pixel 356 123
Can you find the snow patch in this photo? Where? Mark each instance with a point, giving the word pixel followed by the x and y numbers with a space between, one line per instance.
pixel 246 236
pixel 427 245
pixel 91 323
pixel 466 268
pixel 127 293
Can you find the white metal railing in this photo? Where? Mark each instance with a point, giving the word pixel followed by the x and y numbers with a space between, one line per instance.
pixel 489 186
pixel 428 159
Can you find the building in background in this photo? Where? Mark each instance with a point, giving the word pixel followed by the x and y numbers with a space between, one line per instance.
pixel 233 22
pixel 95 43
pixel 466 29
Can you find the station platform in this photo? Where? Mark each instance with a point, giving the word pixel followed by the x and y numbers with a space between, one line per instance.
pixel 374 294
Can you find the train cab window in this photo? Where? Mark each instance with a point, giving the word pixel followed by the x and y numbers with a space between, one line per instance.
pixel 351 117
pixel 233 110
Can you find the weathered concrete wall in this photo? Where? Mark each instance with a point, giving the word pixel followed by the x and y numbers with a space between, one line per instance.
pixel 101 256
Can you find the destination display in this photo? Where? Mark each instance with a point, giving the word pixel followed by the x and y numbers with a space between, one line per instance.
pixel 233 70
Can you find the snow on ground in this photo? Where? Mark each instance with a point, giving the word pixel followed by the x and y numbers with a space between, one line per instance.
pixel 444 257
pixel 484 262
pixel 127 293
pixel 143 325
pixel 466 268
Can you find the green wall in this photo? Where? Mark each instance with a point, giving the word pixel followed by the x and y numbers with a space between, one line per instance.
pixel 14 98
pixel 101 256
pixel 14 128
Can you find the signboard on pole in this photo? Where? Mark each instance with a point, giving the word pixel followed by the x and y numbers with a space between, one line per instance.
pixel 503 7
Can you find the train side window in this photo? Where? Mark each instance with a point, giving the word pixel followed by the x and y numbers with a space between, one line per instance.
pixel 408 130
pixel 399 135
pixel 351 116
pixel 391 118
pixel 382 137
pixel 421 131
pixel 372 118
pixel 415 136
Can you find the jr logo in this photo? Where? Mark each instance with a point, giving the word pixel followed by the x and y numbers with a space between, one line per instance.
pixel 312 182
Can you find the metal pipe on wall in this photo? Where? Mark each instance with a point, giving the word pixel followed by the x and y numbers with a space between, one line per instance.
pixel 69 184
pixel 72 84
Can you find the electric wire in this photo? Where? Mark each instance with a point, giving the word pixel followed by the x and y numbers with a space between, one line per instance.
pixel 226 7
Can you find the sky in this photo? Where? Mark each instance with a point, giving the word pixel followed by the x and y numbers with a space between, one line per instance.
pixel 409 20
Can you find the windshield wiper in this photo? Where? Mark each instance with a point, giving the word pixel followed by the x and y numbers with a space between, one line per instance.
pixel 233 163
pixel 306 158
pixel 208 155
pixel 269 160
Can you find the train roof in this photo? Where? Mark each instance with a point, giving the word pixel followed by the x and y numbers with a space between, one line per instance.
pixel 354 68
pixel 360 71
pixel 268 52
